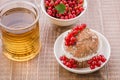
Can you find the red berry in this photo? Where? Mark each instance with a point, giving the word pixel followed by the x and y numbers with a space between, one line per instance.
pixel 47 3
pixel 103 59
pixel 77 11
pixel 67 39
pixel 76 28
pixel 82 26
pixel 71 43
pixel 70 8
pixel 75 32
pixel 73 39
pixel 74 66
pixel 66 17
pixel 64 58
pixel 70 16
pixel 51 4
pixel 93 63
pixel 61 58
pixel 81 1
pixel 74 15
pixel 62 17
pixel 64 62
pixel 89 61
pixel 72 61
pixel 68 65
pixel 98 64
pixel 70 35
pixel 64 1
pixel 50 8
pixel 81 9
pixel 94 58
pixel 56 3
pixel 67 5
pixel 49 12
pixel 67 43
pixel 101 55
pixel 99 58
pixel 67 8
pixel 92 67
pixel 73 12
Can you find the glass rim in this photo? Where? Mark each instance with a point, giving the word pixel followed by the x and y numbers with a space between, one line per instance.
pixel 26 2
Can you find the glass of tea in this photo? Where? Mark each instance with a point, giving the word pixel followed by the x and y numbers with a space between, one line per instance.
pixel 19 22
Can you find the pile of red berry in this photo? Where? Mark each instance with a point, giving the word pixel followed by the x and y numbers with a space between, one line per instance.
pixel 71 63
pixel 96 61
pixel 70 39
pixel 72 8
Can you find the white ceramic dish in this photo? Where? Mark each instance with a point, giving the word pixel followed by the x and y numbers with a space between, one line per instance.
pixel 104 50
pixel 61 22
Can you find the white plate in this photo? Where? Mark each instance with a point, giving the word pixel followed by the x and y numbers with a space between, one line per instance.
pixel 58 51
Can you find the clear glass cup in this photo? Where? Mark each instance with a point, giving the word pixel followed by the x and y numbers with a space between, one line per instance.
pixel 19 22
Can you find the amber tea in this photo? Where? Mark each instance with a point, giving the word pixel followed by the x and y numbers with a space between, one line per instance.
pixel 20 37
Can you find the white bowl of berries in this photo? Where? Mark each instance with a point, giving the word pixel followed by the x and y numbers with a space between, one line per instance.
pixel 64 12
pixel 75 63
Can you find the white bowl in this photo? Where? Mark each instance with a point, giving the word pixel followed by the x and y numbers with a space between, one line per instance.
pixel 61 22
pixel 104 50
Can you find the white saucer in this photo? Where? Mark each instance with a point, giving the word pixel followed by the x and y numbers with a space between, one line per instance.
pixel 104 50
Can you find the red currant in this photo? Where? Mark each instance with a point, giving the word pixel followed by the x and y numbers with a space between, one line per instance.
pixel 92 67
pixel 98 64
pixel 73 39
pixel 72 61
pixel 74 66
pixel 89 61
